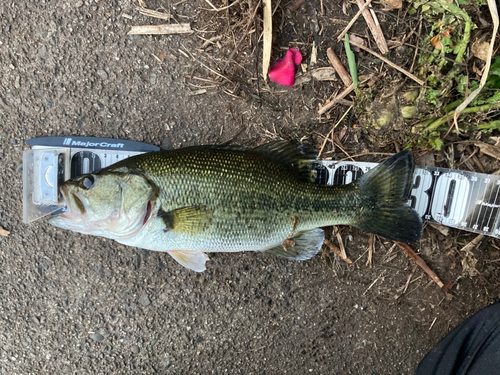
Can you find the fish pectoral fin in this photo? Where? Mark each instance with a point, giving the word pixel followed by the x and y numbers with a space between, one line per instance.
pixel 189 220
pixel 192 259
pixel 302 246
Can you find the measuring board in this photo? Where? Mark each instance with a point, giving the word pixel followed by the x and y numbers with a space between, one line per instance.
pixel 53 160
pixel 458 199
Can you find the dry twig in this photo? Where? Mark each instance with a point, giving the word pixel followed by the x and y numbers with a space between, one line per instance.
pixel 153 13
pixel 375 29
pixel 337 251
pixel 370 250
pixel 388 62
pixel 223 8
pixel 374 282
pixel 472 245
pixel 183 28
pixel 331 131
pixel 420 262
pixel 339 67
pixel 342 95
pixel 346 29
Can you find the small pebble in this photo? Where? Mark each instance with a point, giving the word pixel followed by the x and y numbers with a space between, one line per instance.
pixel 102 73
pixel 135 349
pixel 97 337
pixel 144 300
pixel 42 51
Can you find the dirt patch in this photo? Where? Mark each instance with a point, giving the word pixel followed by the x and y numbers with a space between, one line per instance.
pixel 78 304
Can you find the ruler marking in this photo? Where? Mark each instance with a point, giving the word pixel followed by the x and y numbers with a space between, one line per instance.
pixel 483 224
pixel 480 209
pixel 493 208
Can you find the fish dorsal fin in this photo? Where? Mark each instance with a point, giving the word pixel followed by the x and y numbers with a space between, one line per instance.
pixel 305 245
pixel 192 259
pixel 291 154
pixel 190 220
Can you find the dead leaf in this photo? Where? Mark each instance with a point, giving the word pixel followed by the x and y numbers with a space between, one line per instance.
pixel 341 134
pixel 314 54
pixel 469 265
pixel 497 141
pixel 4 232
pixel 393 4
pixel 488 149
pixel 436 43
pixel 447 32
pixel 319 74
pixel 356 39
pixel 445 231
pixel 480 49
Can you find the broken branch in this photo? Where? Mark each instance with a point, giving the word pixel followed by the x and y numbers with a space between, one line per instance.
pixel 420 262
pixel 337 251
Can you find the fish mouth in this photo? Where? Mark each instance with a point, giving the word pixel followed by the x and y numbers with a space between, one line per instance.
pixel 73 203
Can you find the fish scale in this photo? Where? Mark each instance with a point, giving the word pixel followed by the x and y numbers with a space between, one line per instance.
pixel 225 199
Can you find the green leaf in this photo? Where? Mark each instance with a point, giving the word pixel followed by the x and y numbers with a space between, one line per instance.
pixel 351 59
pixel 436 143
pixel 432 96
pixel 495 67
pixel 493 99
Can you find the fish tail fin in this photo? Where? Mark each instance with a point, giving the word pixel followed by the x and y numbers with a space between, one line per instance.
pixel 384 193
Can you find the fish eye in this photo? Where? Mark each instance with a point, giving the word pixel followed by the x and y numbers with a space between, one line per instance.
pixel 87 182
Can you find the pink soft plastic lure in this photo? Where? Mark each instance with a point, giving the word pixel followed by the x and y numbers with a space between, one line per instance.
pixel 283 72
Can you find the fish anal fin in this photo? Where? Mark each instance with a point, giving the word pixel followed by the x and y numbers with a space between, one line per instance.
pixel 302 246
pixel 190 220
pixel 192 259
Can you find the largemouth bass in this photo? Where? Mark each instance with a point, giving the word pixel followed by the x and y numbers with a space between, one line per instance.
pixel 197 200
